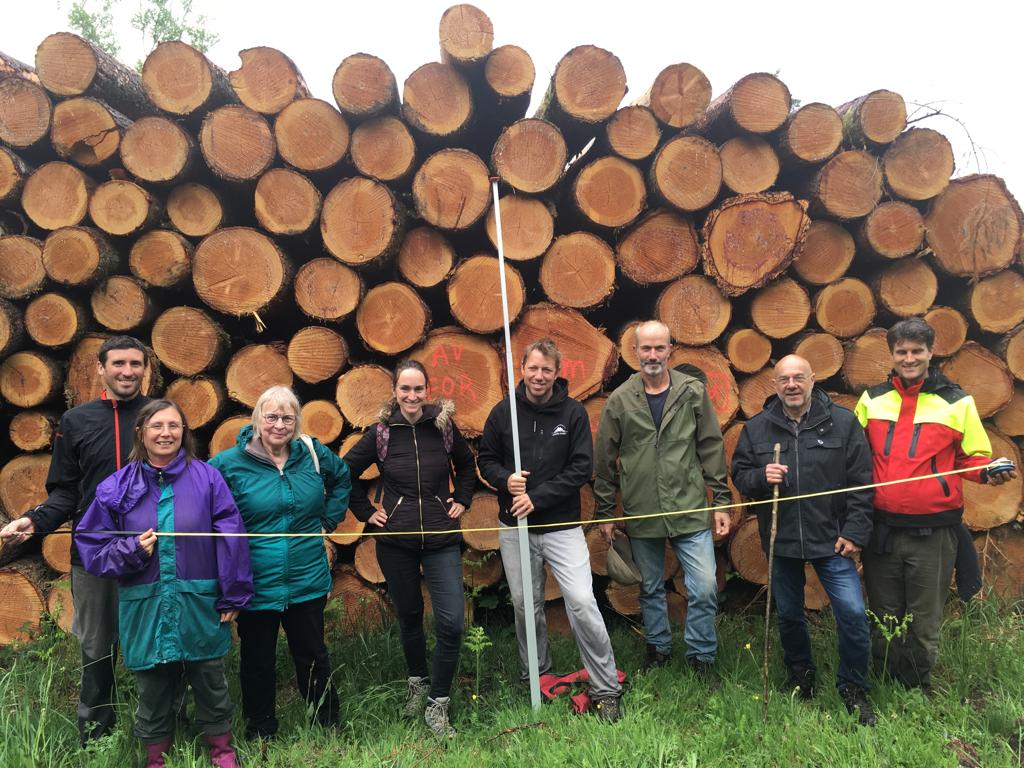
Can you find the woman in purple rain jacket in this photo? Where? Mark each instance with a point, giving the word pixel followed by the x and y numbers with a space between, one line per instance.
pixel 177 595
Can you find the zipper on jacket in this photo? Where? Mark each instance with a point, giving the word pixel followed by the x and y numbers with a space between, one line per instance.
pixel 117 434
pixel 799 506
pixel 913 440
pixel 395 508
pixel 888 438
pixel 942 480
pixel 419 487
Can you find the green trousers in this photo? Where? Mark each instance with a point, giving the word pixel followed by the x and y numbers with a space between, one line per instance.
pixel 157 713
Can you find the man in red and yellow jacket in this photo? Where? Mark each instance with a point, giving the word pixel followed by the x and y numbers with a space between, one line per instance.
pixel 918 423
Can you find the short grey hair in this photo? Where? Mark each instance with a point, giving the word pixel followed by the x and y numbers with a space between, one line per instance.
pixel 278 395
pixel 653 325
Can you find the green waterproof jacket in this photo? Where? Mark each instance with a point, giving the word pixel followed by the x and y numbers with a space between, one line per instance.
pixel 294 499
pixel 663 470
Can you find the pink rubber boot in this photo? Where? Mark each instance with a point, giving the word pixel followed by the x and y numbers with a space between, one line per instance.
pixel 155 753
pixel 222 754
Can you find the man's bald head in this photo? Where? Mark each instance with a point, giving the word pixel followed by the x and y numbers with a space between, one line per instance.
pixel 794 381
pixel 653 348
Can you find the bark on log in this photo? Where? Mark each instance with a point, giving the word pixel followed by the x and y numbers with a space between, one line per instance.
pixel 917 166
pixel 974 227
pixel 33 430
pixel 87 132
pixel 12 328
pixel 23 482
pixel 325 289
pixel 874 120
pixel 82 383
pixel 25 114
pixel 465 369
pixel 202 399
pixel 989 506
pixel 848 186
pixel 750 239
pixel 609 192
pixel 624 600
pixel 53 320
pixel 906 288
pixel 527 226
pixel 662 246
pixel 255 368
pixel 311 135
pixel 364 87
pixel 67 66
pixel 508 75
pixel 1009 420
pixel 286 202
pixel 267 81
pixel 749 164
pixel 868 360
pixel 59 604
pixel 451 189
pixel 996 303
pixel 316 353
pixel 811 134
pixel 438 104
pixel 578 271
pixel 237 143
pixel 23 604
pixel 827 253
pixel 195 210
pixel 530 155
pixel 56 550
pixel 366 564
pixel 686 173
pixel 483 513
pixel 632 133
pixel 754 390
pixel 425 257
pixel 78 256
pixel 598 548
pixel 748 350
pixel 181 81
pixel 891 231
pixel 781 309
pixel 363 609
pixel 157 150
pixel 383 149
pixel 982 375
pixel 226 434
pixel 122 208
pixel 360 393
pixel 950 330
pixel 322 420
pixel 474 294
pixel 1012 349
pixel 720 382
pixel 466 36
pixel 391 318
pixel 844 308
pixel 13 172
pixel 679 95
pixel 21 266
pixel 823 351
pixel 239 271
pixel 57 195
pixel 757 103
pixel 188 341
pixel 161 259
pixel 1001 556
pixel 12 66
pixel 694 310
pixel 361 221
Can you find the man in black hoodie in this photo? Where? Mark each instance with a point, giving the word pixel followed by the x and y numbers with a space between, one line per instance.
pixel 91 443
pixel 557 460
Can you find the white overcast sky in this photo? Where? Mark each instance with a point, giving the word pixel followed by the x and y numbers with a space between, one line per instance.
pixel 961 56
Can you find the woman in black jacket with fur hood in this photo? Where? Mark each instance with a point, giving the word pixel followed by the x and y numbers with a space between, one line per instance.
pixel 416 445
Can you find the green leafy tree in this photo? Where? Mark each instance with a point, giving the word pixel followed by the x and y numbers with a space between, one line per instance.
pixel 160 20
pixel 96 26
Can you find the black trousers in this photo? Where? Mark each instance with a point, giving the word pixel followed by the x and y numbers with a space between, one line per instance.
pixel 304 628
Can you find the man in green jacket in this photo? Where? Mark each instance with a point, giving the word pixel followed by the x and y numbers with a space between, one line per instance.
pixel 659 444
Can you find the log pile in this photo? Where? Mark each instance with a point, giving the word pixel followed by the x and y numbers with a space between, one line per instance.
pixel 252 234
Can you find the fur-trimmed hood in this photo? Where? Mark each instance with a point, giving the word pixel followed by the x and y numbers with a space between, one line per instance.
pixel 442 411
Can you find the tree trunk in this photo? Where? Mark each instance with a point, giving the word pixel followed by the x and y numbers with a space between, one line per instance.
pixel 827 253
pixel 202 399
pixel 632 133
pixel 311 135
pixel 364 87
pixel 195 210
pixel 366 561
pixel 451 189
pixel 474 294
pixel 268 81
pixel 57 195
pixel 325 289
pixel 53 320
pixel 157 150
pixel 757 103
pixel 748 350
pixel 383 149
pixel 12 328
pixel 360 393
pixel 950 330
pixel 437 103
pixel 974 227
pixel 982 375
pixel 33 430
pixel 391 318
pixel 255 368
pixel 917 166
pixel 811 134
pixel 181 81
pixel 750 239
pixel 527 226
pixel 686 173
pixel 749 164
pixel 609 192
pixel 781 309
pixel 483 513
pixel 1012 350
pixel 530 155
pixel 23 604
pixel 226 434
pixel 82 383
pixel 845 308
pixel 662 246
pixel 868 361
pixel 754 390
pixel 23 478
pixel 989 506
pixel 13 172
pixel 87 132
pixel 848 186
pixel 1009 420
pixel 823 351
pixel 873 120
pixel 996 303
pixel 188 341
pixel 361 221
pixel 322 420
pixel 239 271
pixel 237 143
pixel 891 231
pixel 67 66
pixel 578 271
pixel 694 310
pixel 28 379
pixel 316 353
pixel 123 208
pixel 161 259
pixel 720 383
pixel 906 288
pixel 56 550
pixel 624 600
pixel 286 202
pixel 25 114
pixel 679 95
pixel 21 266
pixel 466 36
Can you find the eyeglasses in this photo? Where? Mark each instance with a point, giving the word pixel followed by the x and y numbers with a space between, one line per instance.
pixel 160 427
pixel 273 418
pixel 798 379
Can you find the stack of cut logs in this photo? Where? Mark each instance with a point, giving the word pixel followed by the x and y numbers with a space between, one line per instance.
pixel 253 235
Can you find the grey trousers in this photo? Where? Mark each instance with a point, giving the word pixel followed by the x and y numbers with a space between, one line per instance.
pixel 157 712
pixel 95 626
pixel 567 554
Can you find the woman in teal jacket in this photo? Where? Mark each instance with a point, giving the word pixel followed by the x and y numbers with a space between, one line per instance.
pixel 285 482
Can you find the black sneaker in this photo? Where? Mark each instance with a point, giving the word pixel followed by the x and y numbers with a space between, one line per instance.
pixel 705 671
pixel 801 682
pixel 607 709
pixel 856 699
pixel 656 658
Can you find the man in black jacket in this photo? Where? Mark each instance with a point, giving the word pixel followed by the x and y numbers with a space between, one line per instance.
pixel 557 460
pixel 823 448
pixel 92 442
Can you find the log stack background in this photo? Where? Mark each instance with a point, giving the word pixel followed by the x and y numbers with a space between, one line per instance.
pixel 252 234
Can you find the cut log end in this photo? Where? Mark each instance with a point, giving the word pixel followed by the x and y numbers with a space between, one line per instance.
pixel 201 399
pixel 195 210
pixel 827 253
pixel 812 134
pixel 466 35
pixel 781 309
pixel 161 258
pixel 311 135
pixel 286 202
pixel 392 318
pixel 748 350
pixel 950 330
pixel 360 222
pixel 474 294
pixel 982 375
pixel 253 370
pixel 121 304
pixel 267 81
pixel 78 256
pixel 845 308
pixel 610 192
pixel 364 86
pixel 451 189
pixel 633 133
pixel 383 149
pixel 316 353
pixel 749 164
pixel 679 95
pixel 56 195
pixel 156 150
pixel 326 289
pixel 687 173
pixel 530 155
pixel 239 271
pixel 662 246
pixel 322 420
pixel 868 360
pixel 237 143
pixel 823 351
pixel 187 340
pixel 86 131
pixel 21 266
pixel 425 257
pixel 578 271
pixel 694 310
pixel 893 230
pixel 918 164
pixel 527 226
pixel 122 208
pixel 360 393
pixel 906 288
pixel 436 101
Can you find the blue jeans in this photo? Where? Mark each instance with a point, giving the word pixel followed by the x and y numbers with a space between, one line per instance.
pixel 696 554
pixel 839 577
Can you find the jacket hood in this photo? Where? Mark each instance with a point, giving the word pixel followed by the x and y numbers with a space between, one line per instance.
pixel 442 411
pixel 129 485
pixel 559 394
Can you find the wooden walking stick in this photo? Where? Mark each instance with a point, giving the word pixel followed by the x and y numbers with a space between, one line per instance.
pixel 768 598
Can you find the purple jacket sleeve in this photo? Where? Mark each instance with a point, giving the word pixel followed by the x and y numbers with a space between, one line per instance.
pixel 108 555
pixel 233 569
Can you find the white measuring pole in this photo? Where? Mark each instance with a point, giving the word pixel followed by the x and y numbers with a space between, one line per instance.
pixel 524 536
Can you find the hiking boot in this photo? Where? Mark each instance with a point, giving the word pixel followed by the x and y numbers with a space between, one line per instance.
pixel 436 716
pixel 705 671
pixel 801 682
pixel 607 709
pixel 857 699
pixel 416 696
pixel 656 658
